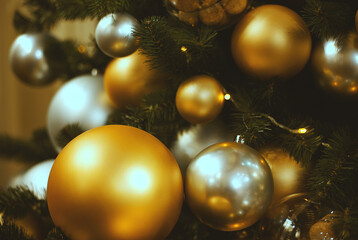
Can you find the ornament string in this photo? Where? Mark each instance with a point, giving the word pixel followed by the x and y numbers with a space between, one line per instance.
pixel 303 130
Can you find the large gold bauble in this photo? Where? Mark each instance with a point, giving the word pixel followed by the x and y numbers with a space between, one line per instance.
pixel 271 41
pixel 337 67
pixel 286 172
pixel 199 99
pixel 228 186
pixel 127 79
pixel 115 182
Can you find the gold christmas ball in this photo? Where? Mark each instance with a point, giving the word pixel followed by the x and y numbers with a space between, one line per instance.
pixel 286 172
pixel 271 41
pixel 323 229
pixel 199 99
pixel 336 66
pixel 115 182
pixel 127 79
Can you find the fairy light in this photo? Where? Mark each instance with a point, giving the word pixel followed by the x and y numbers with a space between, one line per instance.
pixel 227 96
pixel 302 130
pixel 183 49
pixel 81 49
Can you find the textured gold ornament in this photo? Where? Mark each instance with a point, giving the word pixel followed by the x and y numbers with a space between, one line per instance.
pixel 323 229
pixel 127 79
pixel 200 99
pixel 115 182
pixel 229 186
pixel 286 172
pixel 336 67
pixel 271 41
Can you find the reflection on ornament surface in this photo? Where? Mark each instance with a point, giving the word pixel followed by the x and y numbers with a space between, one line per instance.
pixel 337 67
pixel 229 186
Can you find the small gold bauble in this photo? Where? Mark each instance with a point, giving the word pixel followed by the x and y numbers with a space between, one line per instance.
pixel 115 182
pixel 200 99
pixel 336 66
pixel 271 41
pixel 127 79
pixel 286 173
pixel 323 229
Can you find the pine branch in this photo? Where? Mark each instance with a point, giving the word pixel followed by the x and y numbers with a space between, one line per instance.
pixel 56 234
pixel 10 231
pixel 68 133
pixel 329 19
pixel 37 149
pixel 335 173
pixel 20 201
pixel 175 48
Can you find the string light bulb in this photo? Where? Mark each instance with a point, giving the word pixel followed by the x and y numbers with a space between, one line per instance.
pixel 302 130
pixel 183 49
pixel 227 96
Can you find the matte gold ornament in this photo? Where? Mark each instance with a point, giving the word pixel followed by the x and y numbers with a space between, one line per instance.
pixel 115 182
pixel 323 229
pixel 35 58
pixel 336 67
pixel 229 186
pixel 114 34
pixel 127 79
pixel 286 172
pixel 271 41
pixel 199 99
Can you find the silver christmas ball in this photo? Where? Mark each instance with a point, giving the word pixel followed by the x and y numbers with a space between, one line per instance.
pixel 114 35
pixel 82 100
pixel 195 139
pixel 30 61
pixel 35 178
pixel 337 66
pixel 229 186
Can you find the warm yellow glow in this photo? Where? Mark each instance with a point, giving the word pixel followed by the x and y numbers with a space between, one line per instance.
pixel 227 96
pixel 86 157
pixel 139 179
pixel 302 130
pixel 81 49
pixel 335 83
pixel 353 89
pixel 183 49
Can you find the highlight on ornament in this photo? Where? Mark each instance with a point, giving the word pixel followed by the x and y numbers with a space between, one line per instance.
pixel 115 182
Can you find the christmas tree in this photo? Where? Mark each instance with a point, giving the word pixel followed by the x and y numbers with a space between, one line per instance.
pixel 189 119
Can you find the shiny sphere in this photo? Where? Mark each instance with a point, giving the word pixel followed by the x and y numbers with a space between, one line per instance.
pixel 115 182
pixel 114 35
pixel 30 61
pixel 199 99
pixel 337 68
pixel 128 79
pixel 229 186
pixel 81 100
pixel 271 42
pixel 286 172
pixel 35 179
pixel 198 137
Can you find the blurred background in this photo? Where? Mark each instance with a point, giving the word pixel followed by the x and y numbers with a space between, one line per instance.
pixel 24 108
